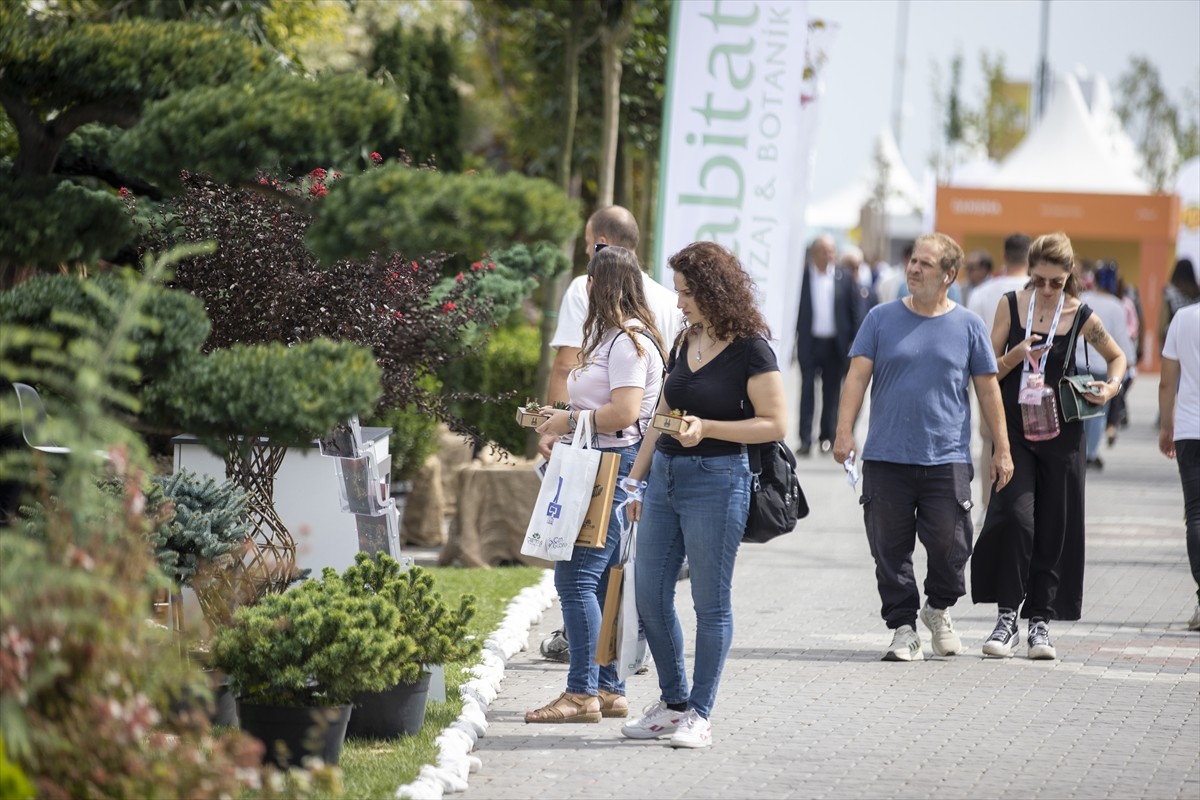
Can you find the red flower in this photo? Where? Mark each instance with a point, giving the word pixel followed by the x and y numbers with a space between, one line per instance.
pixel 376 158
pixel 459 278
pixel 318 173
pixel 395 274
pixel 491 265
pixel 448 306
pixel 318 190
pixel 414 266
pixel 123 192
pixel 476 266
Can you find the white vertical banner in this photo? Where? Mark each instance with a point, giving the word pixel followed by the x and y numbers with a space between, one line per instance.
pixel 732 161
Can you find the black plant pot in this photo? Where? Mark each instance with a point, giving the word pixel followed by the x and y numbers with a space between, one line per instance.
pixel 224 707
pixel 291 733
pixel 399 711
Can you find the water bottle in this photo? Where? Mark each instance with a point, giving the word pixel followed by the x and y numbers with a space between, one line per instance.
pixel 1039 419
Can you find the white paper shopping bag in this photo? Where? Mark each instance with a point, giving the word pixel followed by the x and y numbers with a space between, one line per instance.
pixel 563 499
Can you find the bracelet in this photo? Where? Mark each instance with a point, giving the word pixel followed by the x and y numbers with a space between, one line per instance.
pixel 571 422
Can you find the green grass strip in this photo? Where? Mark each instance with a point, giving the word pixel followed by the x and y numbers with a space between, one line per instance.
pixel 375 769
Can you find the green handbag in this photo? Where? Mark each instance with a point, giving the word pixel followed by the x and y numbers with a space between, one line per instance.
pixel 1072 388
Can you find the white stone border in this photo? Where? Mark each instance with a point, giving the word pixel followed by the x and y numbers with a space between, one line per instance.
pixel 456 742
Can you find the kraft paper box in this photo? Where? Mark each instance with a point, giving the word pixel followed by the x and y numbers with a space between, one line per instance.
pixel 594 532
pixel 527 419
pixel 669 423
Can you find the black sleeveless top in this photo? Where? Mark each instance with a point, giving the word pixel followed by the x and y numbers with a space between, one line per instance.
pixel 1056 366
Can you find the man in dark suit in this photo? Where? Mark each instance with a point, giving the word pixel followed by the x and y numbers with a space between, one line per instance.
pixel 828 321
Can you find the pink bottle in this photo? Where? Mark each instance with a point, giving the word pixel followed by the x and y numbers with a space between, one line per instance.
pixel 1040 419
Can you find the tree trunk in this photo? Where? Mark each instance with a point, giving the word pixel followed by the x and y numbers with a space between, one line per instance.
pixel 612 40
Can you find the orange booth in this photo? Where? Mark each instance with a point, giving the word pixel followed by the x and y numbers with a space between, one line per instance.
pixel 1137 231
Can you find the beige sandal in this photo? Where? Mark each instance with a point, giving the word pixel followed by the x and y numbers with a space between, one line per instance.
pixel 568 708
pixel 613 704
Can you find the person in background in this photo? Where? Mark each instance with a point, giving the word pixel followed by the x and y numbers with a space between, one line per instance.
pixel 725 378
pixel 1110 311
pixel 983 301
pixel 617 382
pixel 851 260
pixel 827 321
pixel 918 355
pixel 613 225
pixel 1181 292
pixel 1179 433
pixel 1029 556
pixel 1118 409
pixel 979 272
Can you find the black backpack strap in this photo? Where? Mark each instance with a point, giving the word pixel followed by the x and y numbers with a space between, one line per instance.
pixel 641 332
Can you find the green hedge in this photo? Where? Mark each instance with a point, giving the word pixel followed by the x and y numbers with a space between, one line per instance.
pixel 507 365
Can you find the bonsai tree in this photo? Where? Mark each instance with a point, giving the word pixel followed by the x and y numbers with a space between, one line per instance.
pixel 315 645
pixel 439 633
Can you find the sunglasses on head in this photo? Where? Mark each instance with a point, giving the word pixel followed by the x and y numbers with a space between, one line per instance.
pixel 1039 282
pixel 598 246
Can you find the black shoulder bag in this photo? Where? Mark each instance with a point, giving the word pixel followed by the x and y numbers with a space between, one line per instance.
pixel 777 502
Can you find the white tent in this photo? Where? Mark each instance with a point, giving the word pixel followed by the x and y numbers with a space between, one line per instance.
pixel 841 210
pixel 1068 152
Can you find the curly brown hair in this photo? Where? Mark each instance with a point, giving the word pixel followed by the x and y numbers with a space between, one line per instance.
pixel 617 297
pixel 722 289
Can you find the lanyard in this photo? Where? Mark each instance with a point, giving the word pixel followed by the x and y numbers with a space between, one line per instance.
pixel 1041 367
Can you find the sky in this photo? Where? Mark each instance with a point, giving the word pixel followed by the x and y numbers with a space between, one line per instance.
pixel 1099 36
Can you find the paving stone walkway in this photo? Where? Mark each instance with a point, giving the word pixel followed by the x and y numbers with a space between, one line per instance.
pixel 807 709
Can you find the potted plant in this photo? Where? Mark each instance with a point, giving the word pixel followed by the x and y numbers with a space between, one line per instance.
pixel 296 659
pixel 439 634
pixel 198 542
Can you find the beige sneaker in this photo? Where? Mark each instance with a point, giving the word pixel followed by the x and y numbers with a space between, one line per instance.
pixel 945 641
pixel 905 646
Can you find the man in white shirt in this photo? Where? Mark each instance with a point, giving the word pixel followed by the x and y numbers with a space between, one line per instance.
pixel 613 225
pixel 616 226
pixel 1179 436
pixel 983 300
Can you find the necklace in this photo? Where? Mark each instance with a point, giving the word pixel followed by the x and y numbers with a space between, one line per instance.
pixel 699 350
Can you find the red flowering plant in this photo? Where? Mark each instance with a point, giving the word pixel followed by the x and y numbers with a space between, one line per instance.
pixel 263 284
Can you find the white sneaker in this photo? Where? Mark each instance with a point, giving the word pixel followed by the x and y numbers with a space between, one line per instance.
pixel 906 646
pixel 1194 622
pixel 694 731
pixel 656 721
pixel 945 641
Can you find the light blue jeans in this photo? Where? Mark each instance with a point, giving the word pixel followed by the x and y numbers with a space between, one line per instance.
pixel 582 583
pixel 696 506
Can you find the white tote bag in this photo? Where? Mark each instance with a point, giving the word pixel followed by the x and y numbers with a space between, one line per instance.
pixel 632 651
pixel 563 499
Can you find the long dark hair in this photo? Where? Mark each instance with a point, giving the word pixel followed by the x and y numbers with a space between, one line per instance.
pixel 1183 278
pixel 722 289
pixel 617 296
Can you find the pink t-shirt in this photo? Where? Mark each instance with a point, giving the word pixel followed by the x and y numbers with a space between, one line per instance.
pixel 616 365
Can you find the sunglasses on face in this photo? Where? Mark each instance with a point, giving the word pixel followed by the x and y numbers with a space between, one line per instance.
pixel 598 246
pixel 1039 282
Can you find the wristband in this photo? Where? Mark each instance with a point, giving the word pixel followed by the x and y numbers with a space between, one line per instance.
pixel 571 419
pixel 633 489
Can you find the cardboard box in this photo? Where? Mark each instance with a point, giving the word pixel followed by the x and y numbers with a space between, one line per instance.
pixel 606 643
pixel 594 532
pixel 669 423
pixel 528 419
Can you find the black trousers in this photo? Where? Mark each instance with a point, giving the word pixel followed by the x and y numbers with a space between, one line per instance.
pixel 902 502
pixel 824 360
pixel 1187 455
pixel 1030 553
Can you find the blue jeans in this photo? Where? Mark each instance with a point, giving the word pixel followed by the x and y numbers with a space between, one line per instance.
pixel 582 583
pixel 1093 431
pixel 695 506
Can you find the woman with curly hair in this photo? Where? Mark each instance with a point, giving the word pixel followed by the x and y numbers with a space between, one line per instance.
pixel 723 374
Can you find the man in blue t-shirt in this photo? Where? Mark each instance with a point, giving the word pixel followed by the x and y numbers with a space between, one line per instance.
pixel 920 352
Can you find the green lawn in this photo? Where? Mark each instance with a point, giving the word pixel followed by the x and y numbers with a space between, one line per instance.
pixel 375 769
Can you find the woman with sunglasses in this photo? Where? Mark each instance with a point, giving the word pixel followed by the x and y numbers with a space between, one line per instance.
pixel 1029 557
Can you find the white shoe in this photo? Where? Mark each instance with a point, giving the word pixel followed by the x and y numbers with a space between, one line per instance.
pixel 1194 622
pixel 694 731
pixel 906 646
pixel 945 641
pixel 656 721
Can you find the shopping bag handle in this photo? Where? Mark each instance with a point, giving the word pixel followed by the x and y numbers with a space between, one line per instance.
pixel 583 432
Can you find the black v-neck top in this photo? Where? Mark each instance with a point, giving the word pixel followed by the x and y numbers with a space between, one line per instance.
pixel 715 390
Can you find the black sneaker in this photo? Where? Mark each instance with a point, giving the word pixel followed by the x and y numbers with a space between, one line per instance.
pixel 1004 638
pixel 1039 641
pixel 555 648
